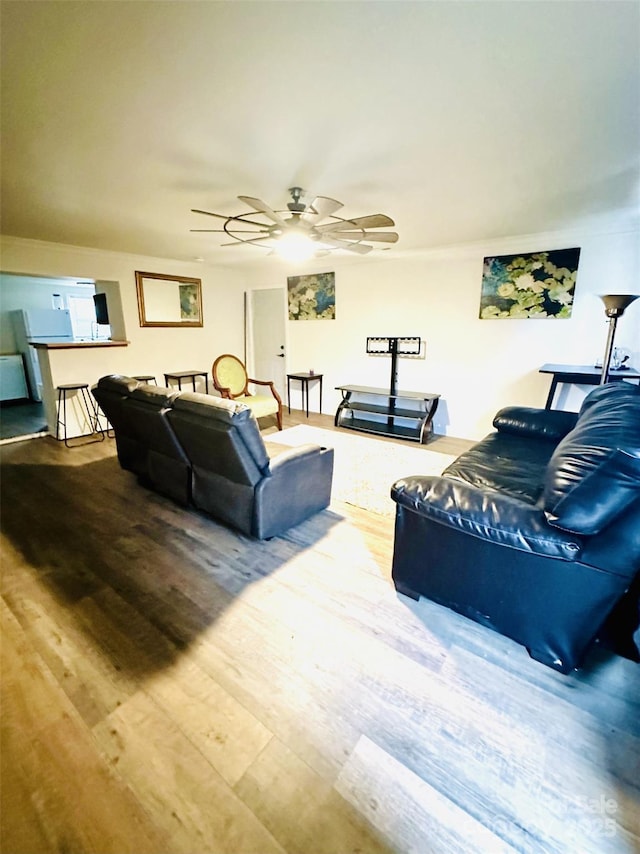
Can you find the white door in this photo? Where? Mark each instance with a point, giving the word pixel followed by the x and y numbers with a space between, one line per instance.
pixel 266 337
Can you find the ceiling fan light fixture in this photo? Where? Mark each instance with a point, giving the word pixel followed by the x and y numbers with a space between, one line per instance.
pixel 295 246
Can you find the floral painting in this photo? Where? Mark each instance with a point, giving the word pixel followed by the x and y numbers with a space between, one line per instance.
pixel 538 285
pixel 189 305
pixel 312 297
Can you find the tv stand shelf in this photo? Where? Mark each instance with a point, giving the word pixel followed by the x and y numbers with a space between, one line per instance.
pixel 377 410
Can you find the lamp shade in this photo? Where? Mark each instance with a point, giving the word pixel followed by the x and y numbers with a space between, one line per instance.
pixel 614 307
pixel 615 304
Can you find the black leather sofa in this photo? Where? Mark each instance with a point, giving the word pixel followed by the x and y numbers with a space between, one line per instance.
pixel 535 531
pixel 208 452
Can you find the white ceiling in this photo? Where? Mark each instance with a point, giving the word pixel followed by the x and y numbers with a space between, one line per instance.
pixel 463 121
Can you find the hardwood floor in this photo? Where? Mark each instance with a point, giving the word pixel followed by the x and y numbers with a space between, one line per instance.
pixel 172 686
pixel 21 419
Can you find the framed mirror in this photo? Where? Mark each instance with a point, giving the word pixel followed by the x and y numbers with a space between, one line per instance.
pixel 168 300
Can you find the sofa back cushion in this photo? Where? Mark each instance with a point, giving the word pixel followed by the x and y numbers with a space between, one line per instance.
pixel 594 473
pixel 615 391
pixel 544 424
pixel 220 436
pixel 111 393
pixel 147 407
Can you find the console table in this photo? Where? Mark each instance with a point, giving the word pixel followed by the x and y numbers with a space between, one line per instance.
pixel 398 418
pixel 582 375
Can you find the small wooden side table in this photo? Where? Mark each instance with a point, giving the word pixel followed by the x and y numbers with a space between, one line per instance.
pixel 187 375
pixel 304 379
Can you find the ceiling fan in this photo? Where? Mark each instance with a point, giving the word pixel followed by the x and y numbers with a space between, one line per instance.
pixel 304 229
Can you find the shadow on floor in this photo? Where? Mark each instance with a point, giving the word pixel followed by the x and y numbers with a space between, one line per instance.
pixel 167 571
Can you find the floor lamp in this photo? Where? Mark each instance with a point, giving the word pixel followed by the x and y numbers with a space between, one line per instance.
pixel 614 306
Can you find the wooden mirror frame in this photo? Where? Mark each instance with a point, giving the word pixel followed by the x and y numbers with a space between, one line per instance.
pixel 192 293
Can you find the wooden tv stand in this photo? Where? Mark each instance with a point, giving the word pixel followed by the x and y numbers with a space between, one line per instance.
pixel 377 410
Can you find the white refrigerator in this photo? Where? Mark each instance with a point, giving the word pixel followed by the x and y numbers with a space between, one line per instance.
pixel 41 324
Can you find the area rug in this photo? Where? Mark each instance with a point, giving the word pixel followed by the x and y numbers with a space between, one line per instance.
pixel 364 467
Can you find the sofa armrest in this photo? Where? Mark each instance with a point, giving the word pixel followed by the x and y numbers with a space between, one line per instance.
pixel 485 514
pixel 550 424
pixel 293 456
pixel 298 487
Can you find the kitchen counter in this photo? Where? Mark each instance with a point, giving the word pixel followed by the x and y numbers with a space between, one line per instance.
pixel 72 361
pixel 78 345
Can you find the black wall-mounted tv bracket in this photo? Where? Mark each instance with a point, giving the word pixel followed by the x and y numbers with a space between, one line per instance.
pixel 395 347
pixel 407 414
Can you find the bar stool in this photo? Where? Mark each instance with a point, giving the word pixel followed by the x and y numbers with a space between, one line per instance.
pixel 91 411
pixel 147 378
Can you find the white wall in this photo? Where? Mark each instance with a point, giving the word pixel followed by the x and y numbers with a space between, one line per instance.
pixel 151 350
pixel 476 365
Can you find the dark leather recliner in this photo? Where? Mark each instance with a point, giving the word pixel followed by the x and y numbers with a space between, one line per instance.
pixel 208 451
pixel 164 463
pixel 235 479
pixel 111 392
pixel 145 441
pixel 535 531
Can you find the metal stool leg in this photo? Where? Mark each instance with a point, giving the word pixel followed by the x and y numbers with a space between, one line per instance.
pixel 93 416
pixel 92 412
pixel 62 402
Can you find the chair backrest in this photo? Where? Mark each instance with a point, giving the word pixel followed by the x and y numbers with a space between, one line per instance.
pixel 229 373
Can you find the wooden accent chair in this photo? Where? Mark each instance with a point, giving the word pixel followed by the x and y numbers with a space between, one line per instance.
pixel 231 380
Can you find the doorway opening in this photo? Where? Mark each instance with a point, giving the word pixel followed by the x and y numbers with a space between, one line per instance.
pixel 265 336
pixel 29 306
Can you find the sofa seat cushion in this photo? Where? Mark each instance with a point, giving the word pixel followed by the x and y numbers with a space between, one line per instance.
pixel 594 473
pixel 509 463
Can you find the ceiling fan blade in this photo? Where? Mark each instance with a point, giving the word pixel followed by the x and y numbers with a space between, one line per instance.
pixel 208 213
pixel 222 231
pixel 360 248
pixel 238 218
pixel 248 240
pixel 373 221
pixel 261 207
pixel 320 208
pixel 380 236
